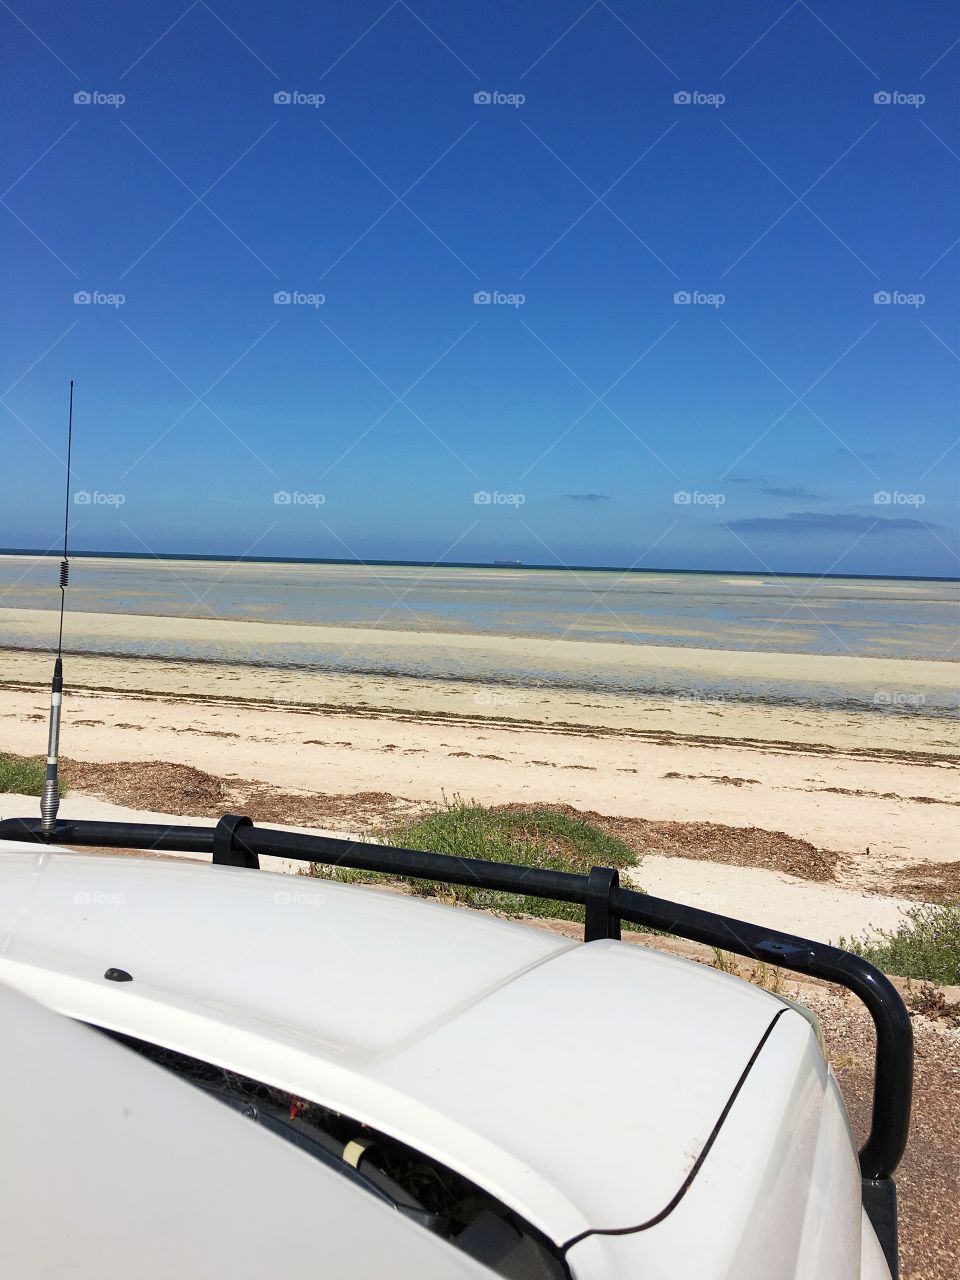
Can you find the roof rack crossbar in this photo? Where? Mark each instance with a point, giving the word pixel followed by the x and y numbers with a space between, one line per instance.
pixel 607 902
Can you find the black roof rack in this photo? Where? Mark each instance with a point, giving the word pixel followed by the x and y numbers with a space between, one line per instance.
pixel 235 841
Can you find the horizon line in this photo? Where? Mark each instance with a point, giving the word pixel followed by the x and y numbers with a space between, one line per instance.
pixel 466 564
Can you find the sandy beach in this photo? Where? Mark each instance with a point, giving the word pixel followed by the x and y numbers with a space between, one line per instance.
pixel 854 699
pixel 781 750
pixel 778 751
pixel 876 789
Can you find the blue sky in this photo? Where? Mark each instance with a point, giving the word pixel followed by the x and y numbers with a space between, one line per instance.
pixel 782 419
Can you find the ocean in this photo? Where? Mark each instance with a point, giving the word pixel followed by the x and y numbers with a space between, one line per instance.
pixel 915 619
pixel 879 617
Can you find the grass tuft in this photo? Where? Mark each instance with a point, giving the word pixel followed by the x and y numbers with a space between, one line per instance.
pixel 533 837
pixel 926 945
pixel 21 776
pixel 769 977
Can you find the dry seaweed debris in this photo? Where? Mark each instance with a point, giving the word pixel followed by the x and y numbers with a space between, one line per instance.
pixel 932 1002
pixel 360 811
pixel 937 882
pixel 165 787
pixel 716 842
pixel 156 785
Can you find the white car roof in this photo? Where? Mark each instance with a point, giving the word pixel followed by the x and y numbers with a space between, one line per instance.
pixel 112 1168
pixel 577 1083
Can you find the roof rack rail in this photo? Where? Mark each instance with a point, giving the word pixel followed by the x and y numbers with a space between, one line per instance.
pixel 235 841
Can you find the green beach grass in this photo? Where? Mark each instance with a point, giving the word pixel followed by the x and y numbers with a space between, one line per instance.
pixel 21 776
pixel 527 837
pixel 926 946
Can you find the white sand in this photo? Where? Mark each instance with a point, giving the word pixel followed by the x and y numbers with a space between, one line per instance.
pixel 424 759
pixel 714 718
pixel 823 912
pixel 879 788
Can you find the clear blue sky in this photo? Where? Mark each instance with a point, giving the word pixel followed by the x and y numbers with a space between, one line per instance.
pixel 782 411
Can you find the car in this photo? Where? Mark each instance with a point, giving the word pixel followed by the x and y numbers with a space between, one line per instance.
pixel 447 1091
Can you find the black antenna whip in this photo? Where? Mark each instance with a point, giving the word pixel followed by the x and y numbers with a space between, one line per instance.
pixel 50 799
pixel 64 563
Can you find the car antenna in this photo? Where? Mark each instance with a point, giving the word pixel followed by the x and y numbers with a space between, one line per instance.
pixel 50 799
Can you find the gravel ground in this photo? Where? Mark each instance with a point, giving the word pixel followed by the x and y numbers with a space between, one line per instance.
pixel 928 1180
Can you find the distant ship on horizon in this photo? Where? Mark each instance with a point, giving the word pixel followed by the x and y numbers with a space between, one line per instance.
pixel 507 564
